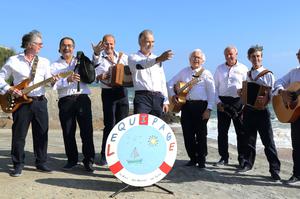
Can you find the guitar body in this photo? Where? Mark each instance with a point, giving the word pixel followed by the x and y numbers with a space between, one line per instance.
pixel 176 107
pixel 10 104
pixel 292 111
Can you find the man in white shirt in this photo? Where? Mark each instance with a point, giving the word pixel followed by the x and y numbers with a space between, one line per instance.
pixel 149 81
pixel 115 103
pixel 228 79
pixel 281 85
pixel 256 120
pixel 196 111
pixel 74 105
pixel 20 67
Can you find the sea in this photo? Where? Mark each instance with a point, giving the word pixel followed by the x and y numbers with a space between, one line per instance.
pixel 281 131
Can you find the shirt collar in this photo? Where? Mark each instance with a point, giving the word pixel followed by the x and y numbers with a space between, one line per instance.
pixel 104 54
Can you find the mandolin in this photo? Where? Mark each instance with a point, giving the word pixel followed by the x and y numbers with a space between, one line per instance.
pixel 182 91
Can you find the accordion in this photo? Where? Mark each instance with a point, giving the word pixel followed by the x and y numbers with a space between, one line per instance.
pixel 119 75
pixel 255 95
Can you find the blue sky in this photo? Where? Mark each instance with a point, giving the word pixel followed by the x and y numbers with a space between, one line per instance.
pixel 178 25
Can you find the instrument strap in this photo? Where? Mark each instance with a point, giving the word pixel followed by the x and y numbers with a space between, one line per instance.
pixel 196 76
pixel 34 66
pixel 119 59
pixel 199 73
pixel 112 62
pixel 262 73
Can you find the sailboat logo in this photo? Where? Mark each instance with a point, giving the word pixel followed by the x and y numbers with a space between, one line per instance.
pixel 135 157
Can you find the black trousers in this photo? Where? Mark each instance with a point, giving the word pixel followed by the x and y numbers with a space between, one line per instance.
pixel 71 109
pixel 194 130
pixel 295 135
pixel 115 108
pixel 35 113
pixel 148 102
pixel 232 108
pixel 259 121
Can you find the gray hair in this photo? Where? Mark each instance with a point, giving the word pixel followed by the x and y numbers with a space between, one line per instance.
pixel 30 37
pixel 230 47
pixel 255 48
pixel 201 53
pixel 143 33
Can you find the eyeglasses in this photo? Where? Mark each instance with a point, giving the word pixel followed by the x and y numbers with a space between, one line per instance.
pixel 196 58
pixel 37 43
pixel 67 46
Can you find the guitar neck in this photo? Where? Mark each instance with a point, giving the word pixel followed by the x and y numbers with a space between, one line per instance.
pixel 190 83
pixel 30 88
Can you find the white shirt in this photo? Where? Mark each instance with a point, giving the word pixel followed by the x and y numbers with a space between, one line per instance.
pixel 204 89
pixel 266 80
pixel 104 64
pixel 147 74
pixel 20 69
pixel 63 87
pixel 229 79
pixel 286 80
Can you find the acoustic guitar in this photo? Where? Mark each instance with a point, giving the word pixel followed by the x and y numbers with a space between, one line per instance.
pixel 10 104
pixel 183 90
pixel 290 112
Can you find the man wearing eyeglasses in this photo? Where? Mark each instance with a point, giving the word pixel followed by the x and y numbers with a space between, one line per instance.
pixel 74 105
pixel 23 66
pixel 195 113
pixel 281 85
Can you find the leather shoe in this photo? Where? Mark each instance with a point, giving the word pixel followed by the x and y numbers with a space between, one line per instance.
pixel 102 161
pixel 275 177
pixel 69 166
pixel 202 166
pixel 245 169
pixel 221 162
pixel 293 180
pixel 43 168
pixel 88 167
pixel 16 172
pixel 190 163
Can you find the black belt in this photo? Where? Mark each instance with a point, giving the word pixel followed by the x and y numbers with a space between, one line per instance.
pixel 145 92
pixel 195 101
pixel 74 96
pixel 38 98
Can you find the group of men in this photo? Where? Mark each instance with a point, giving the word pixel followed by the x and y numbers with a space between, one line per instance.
pixel 225 89
pixel 151 96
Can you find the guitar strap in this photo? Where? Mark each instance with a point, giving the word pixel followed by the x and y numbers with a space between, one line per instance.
pixel 33 68
pixel 195 77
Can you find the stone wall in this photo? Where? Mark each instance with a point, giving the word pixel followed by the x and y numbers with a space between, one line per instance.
pixel 6 119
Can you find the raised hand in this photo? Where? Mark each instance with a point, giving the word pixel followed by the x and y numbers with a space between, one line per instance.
pixel 167 55
pixel 98 48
